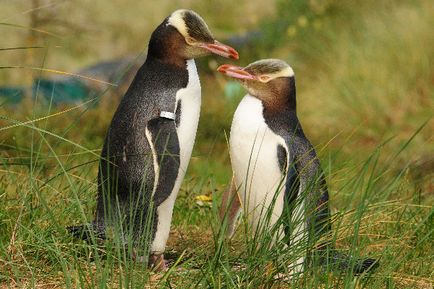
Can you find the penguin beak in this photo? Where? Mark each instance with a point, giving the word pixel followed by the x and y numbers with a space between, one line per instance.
pixel 220 49
pixel 235 72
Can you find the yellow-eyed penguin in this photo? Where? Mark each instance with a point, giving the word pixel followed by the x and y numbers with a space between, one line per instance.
pixel 150 139
pixel 275 166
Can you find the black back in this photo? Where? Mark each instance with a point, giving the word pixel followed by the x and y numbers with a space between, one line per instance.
pixel 304 167
pixel 305 176
pixel 126 173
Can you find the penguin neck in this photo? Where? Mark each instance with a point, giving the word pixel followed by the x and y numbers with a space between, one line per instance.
pixel 170 62
pixel 165 46
pixel 279 98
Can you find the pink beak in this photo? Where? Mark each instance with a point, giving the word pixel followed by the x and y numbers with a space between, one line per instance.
pixel 221 49
pixel 235 72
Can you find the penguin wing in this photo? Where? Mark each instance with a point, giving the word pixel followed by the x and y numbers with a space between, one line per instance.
pixel 292 187
pixel 288 168
pixel 164 143
pixel 312 183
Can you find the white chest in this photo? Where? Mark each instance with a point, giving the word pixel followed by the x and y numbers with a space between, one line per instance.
pixel 190 100
pixel 253 149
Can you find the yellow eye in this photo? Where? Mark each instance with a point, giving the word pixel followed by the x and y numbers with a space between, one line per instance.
pixel 264 78
pixel 190 40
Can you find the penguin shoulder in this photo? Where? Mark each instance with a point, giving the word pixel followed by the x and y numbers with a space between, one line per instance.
pixel 193 84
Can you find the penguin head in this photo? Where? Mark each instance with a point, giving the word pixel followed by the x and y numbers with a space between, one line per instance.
pixel 186 34
pixel 269 80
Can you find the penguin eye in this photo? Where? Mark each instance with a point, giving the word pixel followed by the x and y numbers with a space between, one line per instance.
pixel 190 40
pixel 264 78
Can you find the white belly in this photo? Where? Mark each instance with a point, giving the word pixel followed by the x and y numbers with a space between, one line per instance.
pixel 253 149
pixel 190 98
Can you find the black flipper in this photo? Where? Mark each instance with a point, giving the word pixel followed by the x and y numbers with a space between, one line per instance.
pixel 166 145
pixel 292 186
pixel 141 215
pixel 163 140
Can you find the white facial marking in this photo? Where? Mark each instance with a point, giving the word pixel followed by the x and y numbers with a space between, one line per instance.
pixel 176 19
pixel 284 71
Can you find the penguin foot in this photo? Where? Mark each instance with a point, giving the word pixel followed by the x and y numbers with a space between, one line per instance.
pixel 341 262
pixel 157 263
pixel 365 265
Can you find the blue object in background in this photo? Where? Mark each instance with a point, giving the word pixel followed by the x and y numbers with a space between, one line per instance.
pixel 67 90
pixel 233 90
pixel 11 94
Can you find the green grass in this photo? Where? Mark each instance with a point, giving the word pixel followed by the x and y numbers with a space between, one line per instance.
pixel 365 96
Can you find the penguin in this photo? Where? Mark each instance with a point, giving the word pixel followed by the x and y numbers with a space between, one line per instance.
pixel 276 172
pixel 149 143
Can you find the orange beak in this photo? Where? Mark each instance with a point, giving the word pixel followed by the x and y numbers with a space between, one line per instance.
pixel 221 49
pixel 235 72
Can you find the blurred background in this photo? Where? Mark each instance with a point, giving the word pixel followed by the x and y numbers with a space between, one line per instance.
pixel 364 71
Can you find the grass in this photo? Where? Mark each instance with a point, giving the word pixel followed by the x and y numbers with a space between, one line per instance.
pixel 365 96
